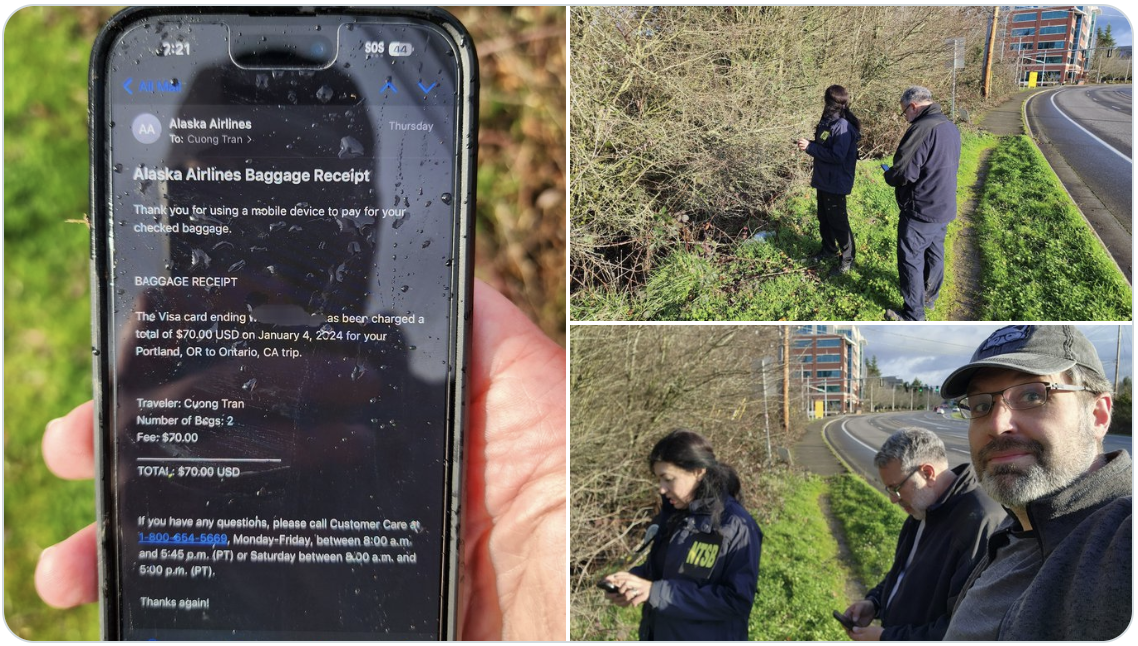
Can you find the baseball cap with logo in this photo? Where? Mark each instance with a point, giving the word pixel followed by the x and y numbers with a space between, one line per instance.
pixel 1034 349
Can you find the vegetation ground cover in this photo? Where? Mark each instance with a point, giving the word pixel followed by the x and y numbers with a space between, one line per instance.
pixel 870 523
pixel 769 280
pixel 1040 259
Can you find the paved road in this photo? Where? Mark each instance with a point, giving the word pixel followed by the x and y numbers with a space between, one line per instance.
pixel 1086 134
pixel 857 438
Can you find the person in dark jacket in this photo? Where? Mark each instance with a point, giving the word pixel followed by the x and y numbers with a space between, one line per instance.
pixel 924 179
pixel 699 580
pixel 834 150
pixel 949 522
pixel 1038 405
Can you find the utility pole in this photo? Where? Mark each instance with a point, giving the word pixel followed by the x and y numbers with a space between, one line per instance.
pixel 785 380
pixel 987 87
pixel 1117 359
pixel 766 414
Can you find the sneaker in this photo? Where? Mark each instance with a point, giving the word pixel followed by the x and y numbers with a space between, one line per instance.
pixel 818 257
pixel 890 315
pixel 929 305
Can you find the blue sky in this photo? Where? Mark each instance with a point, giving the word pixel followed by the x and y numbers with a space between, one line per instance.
pixel 1119 26
pixel 931 351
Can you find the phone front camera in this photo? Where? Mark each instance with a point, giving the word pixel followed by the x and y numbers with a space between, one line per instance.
pixel 319 48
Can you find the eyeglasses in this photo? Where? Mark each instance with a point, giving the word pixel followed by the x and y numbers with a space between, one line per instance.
pixel 895 490
pixel 1021 397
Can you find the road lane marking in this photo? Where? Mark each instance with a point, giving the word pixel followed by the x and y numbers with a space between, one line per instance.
pixel 1092 135
pixel 847 432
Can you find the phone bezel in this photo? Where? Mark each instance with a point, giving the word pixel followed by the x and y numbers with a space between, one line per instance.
pixel 467 81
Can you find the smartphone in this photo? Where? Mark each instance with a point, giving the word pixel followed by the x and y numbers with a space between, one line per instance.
pixel 281 272
pixel 843 620
pixel 885 167
pixel 608 586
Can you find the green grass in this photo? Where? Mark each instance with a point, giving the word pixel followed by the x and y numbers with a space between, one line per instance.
pixel 768 281
pixel 801 580
pixel 870 524
pixel 47 367
pixel 1040 260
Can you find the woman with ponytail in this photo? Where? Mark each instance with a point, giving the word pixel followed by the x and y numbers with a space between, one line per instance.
pixel 834 150
pixel 700 576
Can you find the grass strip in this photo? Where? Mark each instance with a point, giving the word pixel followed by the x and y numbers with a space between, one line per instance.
pixel 1040 259
pixel 801 580
pixel 870 524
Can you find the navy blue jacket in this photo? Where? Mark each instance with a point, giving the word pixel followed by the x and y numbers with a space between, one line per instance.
pixel 957 527
pixel 924 167
pixel 703 580
pixel 834 150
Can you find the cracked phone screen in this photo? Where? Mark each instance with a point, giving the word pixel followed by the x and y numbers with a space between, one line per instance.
pixel 282 336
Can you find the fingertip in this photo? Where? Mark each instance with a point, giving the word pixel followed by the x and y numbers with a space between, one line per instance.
pixel 67 572
pixel 69 444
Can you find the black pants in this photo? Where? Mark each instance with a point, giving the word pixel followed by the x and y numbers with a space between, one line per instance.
pixel 834 225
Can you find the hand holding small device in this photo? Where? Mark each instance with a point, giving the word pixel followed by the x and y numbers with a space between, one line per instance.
pixel 280 366
pixel 67 573
pixel 845 621
pixel 885 167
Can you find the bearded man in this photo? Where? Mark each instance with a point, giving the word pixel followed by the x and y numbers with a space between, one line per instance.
pixel 1038 405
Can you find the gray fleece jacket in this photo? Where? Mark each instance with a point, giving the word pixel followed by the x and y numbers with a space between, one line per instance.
pixel 1083 588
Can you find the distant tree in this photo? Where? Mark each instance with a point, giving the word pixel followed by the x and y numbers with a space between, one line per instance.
pixel 871 369
pixel 1105 39
pixel 1122 419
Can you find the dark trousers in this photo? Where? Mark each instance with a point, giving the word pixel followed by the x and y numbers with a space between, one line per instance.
pixel 920 264
pixel 834 225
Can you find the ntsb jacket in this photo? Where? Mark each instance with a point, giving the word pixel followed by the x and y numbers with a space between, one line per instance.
pixel 834 150
pixel 925 166
pixel 703 579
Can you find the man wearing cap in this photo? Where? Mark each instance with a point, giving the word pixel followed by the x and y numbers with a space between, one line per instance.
pixel 1059 568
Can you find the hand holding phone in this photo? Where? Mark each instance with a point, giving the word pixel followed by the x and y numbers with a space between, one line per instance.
pixel 281 221
pixel 608 586
pixel 845 621
pixel 885 167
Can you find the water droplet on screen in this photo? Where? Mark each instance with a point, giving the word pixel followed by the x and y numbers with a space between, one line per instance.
pixel 200 259
pixel 350 148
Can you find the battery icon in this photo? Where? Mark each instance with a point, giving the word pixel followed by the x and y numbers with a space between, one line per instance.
pixel 400 49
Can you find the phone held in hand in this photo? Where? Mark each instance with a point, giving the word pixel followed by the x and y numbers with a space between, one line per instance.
pixel 281 217
pixel 844 620
pixel 608 586
pixel 885 167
